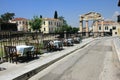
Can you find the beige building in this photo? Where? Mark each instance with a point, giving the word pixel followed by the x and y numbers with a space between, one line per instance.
pixel 23 24
pixel 49 25
pixel 109 28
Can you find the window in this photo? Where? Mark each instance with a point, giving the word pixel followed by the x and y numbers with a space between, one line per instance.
pixel 26 23
pixel 49 22
pixel 106 27
pixel 44 23
pixel 55 23
pixel 44 29
pixel 99 27
pixel 17 22
pixel 23 22
pixel 20 22
pixel 114 28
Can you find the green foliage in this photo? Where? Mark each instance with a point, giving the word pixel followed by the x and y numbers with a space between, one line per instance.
pixel 75 29
pixel 36 23
pixel 7 16
pixel 62 19
pixel 66 27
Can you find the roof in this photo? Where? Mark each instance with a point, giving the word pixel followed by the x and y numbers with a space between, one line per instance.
pixel 106 23
pixel 19 19
pixel 53 19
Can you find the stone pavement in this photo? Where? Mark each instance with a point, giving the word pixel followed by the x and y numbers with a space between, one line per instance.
pixel 23 71
pixel 116 43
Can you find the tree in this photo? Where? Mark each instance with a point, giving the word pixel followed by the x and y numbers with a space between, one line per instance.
pixel 7 16
pixel 66 27
pixel 118 18
pixel 36 23
pixel 62 19
pixel 1 20
pixel 40 16
pixel 55 15
pixel 75 30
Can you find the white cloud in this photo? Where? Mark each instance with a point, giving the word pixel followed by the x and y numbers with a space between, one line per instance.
pixel 116 13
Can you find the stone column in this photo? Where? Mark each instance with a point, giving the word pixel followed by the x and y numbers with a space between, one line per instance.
pixel 87 29
pixel 96 29
pixel 102 28
pixel 81 25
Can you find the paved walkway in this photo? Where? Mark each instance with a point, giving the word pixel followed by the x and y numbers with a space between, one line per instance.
pixel 21 71
pixel 116 43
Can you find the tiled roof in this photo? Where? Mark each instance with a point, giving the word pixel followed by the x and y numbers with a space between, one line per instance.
pixel 19 19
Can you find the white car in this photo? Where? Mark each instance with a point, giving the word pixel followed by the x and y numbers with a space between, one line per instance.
pixel 58 45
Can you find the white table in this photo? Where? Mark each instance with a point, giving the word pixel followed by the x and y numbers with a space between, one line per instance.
pixel 22 49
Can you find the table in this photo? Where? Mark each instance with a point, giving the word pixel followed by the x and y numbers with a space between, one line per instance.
pixel 22 49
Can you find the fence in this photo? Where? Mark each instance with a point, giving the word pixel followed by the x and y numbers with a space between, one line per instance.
pixel 13 38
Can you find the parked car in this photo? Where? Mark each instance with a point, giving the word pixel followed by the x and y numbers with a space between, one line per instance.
pixel 54 45
pixel 77 40
pixel 58 45
pixel 68 42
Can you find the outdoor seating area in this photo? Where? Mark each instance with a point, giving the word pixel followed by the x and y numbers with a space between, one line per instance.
pixel 18 53
pixel 17 48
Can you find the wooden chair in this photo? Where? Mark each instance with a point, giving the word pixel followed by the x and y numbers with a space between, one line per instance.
pixel 11 53
pixel 36 50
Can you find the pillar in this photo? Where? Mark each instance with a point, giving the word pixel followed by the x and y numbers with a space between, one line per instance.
pixel 96 29
pixel 87 29
pixel 81 25
pixel 102 28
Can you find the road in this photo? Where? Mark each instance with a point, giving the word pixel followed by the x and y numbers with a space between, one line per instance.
pixel 96 61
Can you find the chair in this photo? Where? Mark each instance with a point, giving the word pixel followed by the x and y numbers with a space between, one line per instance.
pixel 11 53
pixel 32 54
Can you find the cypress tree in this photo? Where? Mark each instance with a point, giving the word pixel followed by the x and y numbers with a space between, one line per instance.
pixel 118 18
pixel 55 15
pixel 40 16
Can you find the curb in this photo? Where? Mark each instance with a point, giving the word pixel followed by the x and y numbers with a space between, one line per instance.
pixel 26 75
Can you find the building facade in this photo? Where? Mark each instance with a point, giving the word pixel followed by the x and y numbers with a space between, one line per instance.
pixel 22 24
pixel 50 25
pixel 109 28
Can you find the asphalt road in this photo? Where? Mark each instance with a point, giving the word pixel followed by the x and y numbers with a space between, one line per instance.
pixel 96 61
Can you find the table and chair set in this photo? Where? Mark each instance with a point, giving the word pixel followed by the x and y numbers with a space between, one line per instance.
pixel 19 53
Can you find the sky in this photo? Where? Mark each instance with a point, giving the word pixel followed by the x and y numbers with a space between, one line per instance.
pixel 69 9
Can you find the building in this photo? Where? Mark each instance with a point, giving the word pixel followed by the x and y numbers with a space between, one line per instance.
pixel 49 25
pixel 111 28
pixel 22 23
